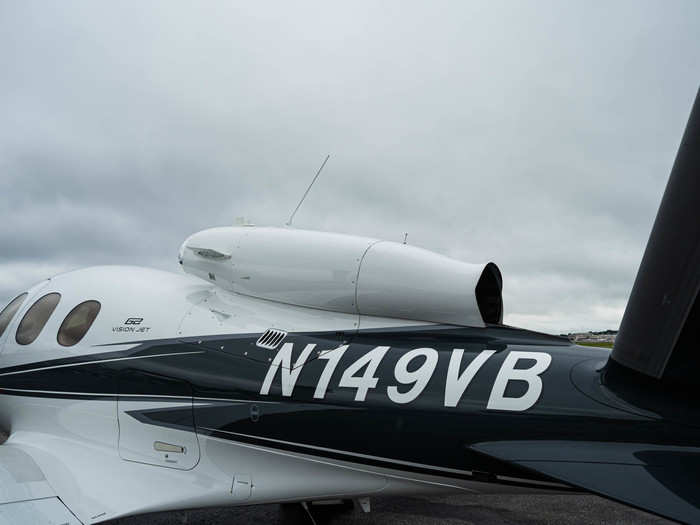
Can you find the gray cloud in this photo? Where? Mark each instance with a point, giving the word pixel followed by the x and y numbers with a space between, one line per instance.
pixel 536 135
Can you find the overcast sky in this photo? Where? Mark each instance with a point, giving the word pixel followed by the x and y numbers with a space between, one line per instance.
pixel 536 135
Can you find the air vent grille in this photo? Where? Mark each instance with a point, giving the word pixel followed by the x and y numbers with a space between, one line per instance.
pixel 271 338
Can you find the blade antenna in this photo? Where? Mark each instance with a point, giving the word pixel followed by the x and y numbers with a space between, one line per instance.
pixel 291 217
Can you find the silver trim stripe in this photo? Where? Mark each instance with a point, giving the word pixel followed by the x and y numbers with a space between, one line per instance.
pixel 55 392
pixel 150 396
pixel 66 393
pixel 325 449
pixel 381 471
pixel 227 400
pixel 99 361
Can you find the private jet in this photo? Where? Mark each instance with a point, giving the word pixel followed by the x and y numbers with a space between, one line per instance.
pixel 297 367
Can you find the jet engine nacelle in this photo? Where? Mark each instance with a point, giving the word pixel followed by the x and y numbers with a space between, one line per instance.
pixel 344 273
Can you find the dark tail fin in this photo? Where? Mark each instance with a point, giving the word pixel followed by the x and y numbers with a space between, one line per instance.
pixel 659 334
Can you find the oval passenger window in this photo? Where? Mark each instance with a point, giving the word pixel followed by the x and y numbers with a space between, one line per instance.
pixel 35 318
pixel 78 322
pixel 9 311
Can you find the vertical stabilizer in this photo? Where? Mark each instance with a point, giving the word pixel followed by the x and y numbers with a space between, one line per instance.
pixel 662 312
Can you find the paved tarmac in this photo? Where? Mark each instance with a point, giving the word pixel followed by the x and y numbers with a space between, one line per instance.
pixel 442 510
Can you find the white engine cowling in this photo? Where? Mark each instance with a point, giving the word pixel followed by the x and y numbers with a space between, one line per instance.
pixel 344 273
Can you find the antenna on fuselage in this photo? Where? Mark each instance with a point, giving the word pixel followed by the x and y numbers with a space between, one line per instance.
pixel 291 217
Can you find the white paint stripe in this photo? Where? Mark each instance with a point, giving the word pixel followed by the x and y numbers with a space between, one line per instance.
pixel 365 456
pixel 99 361
pixel 153 395
pixel 58 392
pixel 55 392
pixel 225 400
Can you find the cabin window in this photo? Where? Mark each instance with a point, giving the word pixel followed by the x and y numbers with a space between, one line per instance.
pixel 78 322
pixel 34 320
pixel 9 311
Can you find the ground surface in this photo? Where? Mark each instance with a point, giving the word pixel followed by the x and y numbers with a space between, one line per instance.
pixel 599 345
pixel 443 510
